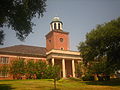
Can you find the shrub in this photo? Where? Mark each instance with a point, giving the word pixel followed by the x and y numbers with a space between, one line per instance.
pixel 88 78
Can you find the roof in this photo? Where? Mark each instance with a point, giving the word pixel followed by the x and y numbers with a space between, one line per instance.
pixel 24 50
pixel 56 19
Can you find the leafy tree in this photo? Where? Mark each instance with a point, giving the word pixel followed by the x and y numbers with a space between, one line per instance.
pixel 103 41
pixel 4 69
pixel 17 14
pixel 1 37
pixel 52 72
pixel 17 68
pixel 79 69
pixel 40 67
pixel 101 70
pixel 101 67
pixel 30 69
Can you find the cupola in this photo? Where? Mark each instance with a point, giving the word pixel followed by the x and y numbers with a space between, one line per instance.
pixel 56 24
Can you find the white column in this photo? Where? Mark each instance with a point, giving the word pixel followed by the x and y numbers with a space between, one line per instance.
pixel 56 25
pixel 53 62
pixel 52 26
pixel 73 68
pixel 61 26
pixel 63 68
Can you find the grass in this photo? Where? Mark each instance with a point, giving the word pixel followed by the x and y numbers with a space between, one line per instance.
pixel 63 84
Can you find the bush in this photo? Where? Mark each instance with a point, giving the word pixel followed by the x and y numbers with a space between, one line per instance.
pixel 103 78
pixel 40 67
pixel 88 78
pixel 106 78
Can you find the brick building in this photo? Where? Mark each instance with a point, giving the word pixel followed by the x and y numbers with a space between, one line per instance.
pixel 56 52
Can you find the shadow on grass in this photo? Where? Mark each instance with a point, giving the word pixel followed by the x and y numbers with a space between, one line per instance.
pixel 41 87
pixel 5 87
pixel 114 82
pixel 55 89
pixel 75 79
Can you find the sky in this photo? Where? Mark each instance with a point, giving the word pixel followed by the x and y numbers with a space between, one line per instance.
pixel 78 16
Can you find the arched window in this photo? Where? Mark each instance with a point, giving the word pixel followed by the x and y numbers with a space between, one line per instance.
pixel 58 25
pixel 62 48
pixel 54 25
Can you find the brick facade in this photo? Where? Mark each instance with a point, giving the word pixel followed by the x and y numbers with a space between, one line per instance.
pixel 14 57
pixel 57 40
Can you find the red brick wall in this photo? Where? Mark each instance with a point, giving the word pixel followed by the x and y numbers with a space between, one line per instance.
pixel 11 58
pixel 49 41
pixel 53 40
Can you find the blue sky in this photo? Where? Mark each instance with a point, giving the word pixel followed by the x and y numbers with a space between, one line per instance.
pixel 78 17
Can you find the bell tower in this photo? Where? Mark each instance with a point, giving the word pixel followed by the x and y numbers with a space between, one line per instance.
pixel 57 38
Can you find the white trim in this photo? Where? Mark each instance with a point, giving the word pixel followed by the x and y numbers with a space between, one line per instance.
pixel 20 56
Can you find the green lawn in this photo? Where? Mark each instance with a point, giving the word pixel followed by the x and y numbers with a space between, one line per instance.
pixel 63 84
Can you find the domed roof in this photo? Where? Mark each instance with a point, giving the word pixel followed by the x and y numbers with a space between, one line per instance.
pixel 56 19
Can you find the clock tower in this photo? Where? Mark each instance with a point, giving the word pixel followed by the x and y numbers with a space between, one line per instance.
pixel 57 38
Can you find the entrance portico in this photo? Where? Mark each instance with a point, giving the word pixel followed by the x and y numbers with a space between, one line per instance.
pixel 66 59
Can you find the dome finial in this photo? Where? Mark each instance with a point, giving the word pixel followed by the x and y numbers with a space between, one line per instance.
pixel 56 19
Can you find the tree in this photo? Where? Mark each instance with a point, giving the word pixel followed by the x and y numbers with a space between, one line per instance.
pixel 4 69
pixel 30 69
pixel 40 68
pixel 52 72
pixel 17 68
pixel 79 69
pixel 100 70
pixel 17 14
pixel 103 41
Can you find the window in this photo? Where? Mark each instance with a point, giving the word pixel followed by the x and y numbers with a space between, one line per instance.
pixel 50 41
pixel 3 74
pixel 62 48
pixel 58 25
pixel 61 39
pixel 4 60
pixel 54 25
